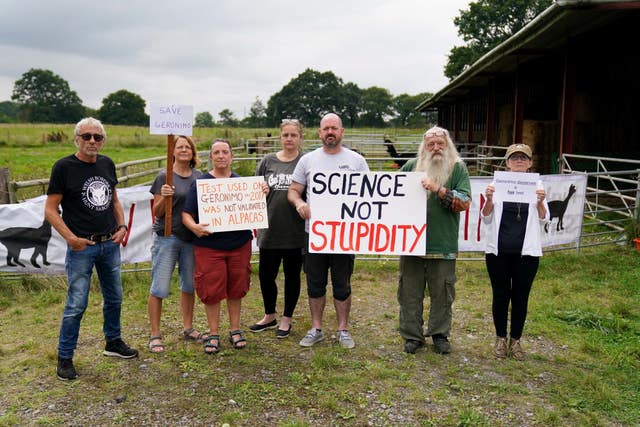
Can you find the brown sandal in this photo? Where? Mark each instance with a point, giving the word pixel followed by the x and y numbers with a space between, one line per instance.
pixel 158 347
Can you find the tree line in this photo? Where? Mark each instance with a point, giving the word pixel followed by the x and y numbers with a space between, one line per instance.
pixel 42 96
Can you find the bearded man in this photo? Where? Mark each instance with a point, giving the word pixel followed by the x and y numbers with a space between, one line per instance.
pixel 448 189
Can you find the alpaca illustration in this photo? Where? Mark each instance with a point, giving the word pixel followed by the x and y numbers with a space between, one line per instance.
pixel 17 238
pixel 557 209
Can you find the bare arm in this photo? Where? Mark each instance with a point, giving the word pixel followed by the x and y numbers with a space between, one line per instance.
pixel 118 213
pixel 294 195
pixel 159 200
pixel 488 207
pixel 52 215
pixel 199 230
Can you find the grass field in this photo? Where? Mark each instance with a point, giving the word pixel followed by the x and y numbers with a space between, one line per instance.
pixel 582 338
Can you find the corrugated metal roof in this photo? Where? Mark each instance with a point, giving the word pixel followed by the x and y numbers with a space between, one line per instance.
pixel 548 32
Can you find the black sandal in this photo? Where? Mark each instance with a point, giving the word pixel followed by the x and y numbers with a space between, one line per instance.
pixel 209 347
pixel 236 342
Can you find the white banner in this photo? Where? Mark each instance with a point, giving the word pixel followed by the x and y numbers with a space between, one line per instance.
pixel 27 245
pixel 565 195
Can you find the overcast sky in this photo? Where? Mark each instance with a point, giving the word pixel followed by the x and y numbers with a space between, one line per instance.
pixel 223 53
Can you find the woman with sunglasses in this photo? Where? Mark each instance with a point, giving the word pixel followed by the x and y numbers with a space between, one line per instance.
pixel 512 256
pixel 282 242
pixel 167 251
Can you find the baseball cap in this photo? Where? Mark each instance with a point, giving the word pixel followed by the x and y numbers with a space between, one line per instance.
pixel 518 148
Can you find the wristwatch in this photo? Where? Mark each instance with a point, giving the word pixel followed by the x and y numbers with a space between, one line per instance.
pixel 122 226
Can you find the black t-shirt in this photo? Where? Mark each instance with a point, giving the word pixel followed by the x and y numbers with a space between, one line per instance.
pixel 513 226
pixel 221 240
pixel 87 194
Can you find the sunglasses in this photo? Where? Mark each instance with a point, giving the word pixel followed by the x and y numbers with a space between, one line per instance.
pixel 287 121
pixel 518 157
pixel 432 133
pixel 96 137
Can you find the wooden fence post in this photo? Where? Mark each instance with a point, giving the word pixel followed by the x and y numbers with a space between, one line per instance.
pixel 4 186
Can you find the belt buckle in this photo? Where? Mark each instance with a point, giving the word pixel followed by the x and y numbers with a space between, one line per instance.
pixel 99 238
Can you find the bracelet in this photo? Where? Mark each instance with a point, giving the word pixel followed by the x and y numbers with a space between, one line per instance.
pixel 121 226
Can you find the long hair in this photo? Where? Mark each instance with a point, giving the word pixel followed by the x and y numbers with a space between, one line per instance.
pixel 438 169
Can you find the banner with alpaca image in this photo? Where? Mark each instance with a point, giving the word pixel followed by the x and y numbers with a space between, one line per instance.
pixel 28 245
pixel 566 198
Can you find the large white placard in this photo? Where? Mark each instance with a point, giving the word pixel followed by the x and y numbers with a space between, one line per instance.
pixel 170 119
pixel 232 203
pixel 367 213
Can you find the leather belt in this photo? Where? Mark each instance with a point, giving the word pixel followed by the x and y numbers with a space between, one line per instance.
pixel 99 238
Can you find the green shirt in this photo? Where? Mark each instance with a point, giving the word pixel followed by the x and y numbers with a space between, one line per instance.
pixel 443 223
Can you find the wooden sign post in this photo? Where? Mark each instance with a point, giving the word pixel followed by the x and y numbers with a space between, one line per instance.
pixel 168 209
pixel 170 120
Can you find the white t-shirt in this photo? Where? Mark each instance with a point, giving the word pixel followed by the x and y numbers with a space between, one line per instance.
pixel 318 160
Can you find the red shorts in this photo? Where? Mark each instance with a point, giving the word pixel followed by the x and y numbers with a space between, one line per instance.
pixel 221 274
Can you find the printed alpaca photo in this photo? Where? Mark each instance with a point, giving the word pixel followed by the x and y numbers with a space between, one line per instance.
pixel 15 239
pixel 557 209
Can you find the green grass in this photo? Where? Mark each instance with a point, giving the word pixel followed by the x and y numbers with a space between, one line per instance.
pixel 582 340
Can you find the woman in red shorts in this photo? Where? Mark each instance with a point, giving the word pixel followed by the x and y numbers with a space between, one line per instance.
pixel 222 259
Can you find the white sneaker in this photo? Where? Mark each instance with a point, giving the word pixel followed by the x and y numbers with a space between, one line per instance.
pixel 345 339
pixel 313 336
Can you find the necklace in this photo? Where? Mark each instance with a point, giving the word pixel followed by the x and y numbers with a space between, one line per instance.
pixel 519 218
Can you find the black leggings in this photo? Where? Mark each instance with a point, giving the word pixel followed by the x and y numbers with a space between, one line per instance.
pixel 268 271
pixel 511 278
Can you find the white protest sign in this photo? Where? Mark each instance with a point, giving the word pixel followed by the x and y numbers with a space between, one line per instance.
pixel 367 213
pixel 170 119
pixel 229 204
pixel 515 186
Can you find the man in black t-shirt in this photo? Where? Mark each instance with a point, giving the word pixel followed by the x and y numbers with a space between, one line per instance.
pixel 92 223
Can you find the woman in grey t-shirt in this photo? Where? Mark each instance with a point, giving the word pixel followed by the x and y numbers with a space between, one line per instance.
pixel 282 242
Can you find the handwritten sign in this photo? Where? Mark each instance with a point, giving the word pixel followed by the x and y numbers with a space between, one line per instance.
pixel 232 203
pixel 170 119
pixel 515 186
pixel 367 213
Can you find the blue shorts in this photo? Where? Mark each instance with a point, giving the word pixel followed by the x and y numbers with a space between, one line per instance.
pixel 165 253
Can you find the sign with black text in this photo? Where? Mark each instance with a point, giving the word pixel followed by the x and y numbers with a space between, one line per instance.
pixel 229 204
pixel 367 213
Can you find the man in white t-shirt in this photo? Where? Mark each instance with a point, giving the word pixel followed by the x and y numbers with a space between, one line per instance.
pixel 330 157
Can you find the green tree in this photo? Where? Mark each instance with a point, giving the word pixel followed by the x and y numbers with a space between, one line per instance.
pixel 227 118
pixel 46 97
pixel 204 119
pixel 352 99
pixel 486 24
pixel 9 112
pixel 405 114
pixel 307 98
pixel 257 117
pixel 123 108
pixel 376 106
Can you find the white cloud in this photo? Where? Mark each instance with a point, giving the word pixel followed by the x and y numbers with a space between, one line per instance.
pixel 222 54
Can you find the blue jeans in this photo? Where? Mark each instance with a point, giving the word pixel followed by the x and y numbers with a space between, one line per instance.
pixel 165 252
pixel 79 265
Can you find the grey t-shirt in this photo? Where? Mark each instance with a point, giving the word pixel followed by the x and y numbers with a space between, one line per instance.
pixel 286 228
pixel 181 185
pixel 319 160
